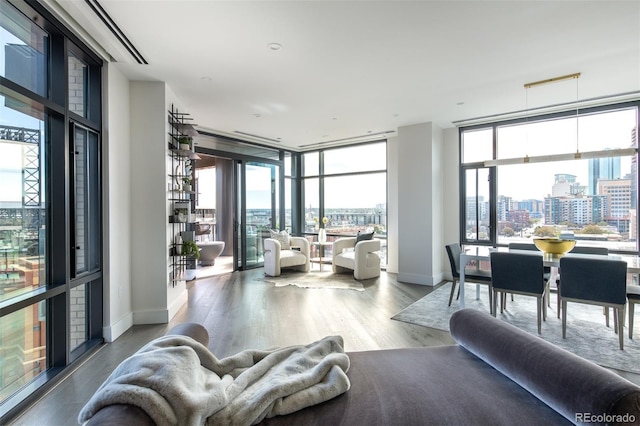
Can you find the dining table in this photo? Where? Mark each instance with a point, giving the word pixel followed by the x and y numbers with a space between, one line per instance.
pixel 478 254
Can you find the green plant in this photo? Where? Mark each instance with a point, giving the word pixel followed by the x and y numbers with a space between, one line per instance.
pixel 189 248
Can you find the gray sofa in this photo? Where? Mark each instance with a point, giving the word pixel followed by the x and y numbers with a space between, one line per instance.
pixel 496 374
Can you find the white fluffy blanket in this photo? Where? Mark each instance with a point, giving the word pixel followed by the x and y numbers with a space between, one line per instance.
pixel 178 381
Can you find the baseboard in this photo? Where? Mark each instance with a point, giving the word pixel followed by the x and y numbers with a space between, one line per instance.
pixel 182 298
pixel 112 332
pixel 417 279
pixel 151 317
pixel 161 316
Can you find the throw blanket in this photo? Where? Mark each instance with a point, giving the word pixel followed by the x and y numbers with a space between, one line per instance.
pixel 178 381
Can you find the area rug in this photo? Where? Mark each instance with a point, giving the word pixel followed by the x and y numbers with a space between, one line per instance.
pixel 587 334
pixel 314 279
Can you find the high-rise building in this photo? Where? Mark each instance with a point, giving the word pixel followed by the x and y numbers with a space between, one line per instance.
pixel 576 210
pixel 634 168
pixel 602 168
pixel 565 185
pixel 504 206
pixel 618 193
pixel 618 203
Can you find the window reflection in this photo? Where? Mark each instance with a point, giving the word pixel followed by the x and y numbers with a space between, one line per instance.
pixel 23 343
pixel 22 209
pixel 77 85
pixel 23 50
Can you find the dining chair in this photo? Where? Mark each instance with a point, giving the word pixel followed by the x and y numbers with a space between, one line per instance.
pixel 600 251
pixel 518 273
pixel 547 269
pixel 474 275
pixel 633 297
pixel 597 282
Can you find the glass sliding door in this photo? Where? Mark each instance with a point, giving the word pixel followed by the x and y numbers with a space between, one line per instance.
pixel 258 185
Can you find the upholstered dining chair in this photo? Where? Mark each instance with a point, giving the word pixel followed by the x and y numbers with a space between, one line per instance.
pixel 600 251
pixel 518 273
pixel 633 297
pixel 596 282
pixel 547 269
pixel 472 275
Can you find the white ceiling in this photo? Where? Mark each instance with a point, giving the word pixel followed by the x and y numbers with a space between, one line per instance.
pixel 352 68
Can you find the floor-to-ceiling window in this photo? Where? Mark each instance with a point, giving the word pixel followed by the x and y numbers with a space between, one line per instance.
pixel 344 190
pixel 570 175
pixel 50 201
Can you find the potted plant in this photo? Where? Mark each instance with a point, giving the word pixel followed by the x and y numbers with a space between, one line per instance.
pixel 186 183
pixel 178 245
pixel 184 142
pixel 189 248
pixel 180 214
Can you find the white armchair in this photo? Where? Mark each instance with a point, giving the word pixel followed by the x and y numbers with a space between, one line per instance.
pixel 362 257
pixel 275 258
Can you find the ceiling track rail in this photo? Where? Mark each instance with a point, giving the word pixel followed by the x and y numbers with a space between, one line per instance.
pixel 117 32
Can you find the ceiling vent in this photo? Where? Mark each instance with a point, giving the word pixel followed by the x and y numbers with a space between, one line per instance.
pixel 116 31
pixel 251 135
pixel 349 139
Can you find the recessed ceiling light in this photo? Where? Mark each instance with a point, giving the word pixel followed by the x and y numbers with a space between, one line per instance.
pixel 257 115
pixel 205 78
pixel 275 46
pixel 460 103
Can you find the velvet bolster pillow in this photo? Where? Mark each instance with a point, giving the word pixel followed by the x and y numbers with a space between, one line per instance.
pixel 571 385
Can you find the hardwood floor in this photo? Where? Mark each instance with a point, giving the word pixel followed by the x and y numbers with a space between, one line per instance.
pixel 241 312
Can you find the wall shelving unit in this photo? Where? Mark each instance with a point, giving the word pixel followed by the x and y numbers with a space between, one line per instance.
pixel 181 197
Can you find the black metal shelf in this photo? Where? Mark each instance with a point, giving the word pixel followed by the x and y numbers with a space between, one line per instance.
pixel 181 130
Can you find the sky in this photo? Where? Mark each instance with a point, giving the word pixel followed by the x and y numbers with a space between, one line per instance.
pixel 535 180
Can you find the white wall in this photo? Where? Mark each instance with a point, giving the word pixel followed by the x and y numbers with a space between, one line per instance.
pixel 437 204
pixel 392 205
pixel 153 297
pixel 118 315
pixel 451 192
pixel 420 204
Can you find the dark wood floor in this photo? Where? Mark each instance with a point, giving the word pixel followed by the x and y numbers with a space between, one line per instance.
pixel 241 312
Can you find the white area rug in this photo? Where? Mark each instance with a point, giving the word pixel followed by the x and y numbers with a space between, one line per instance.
pixel 587 334
pixel 314 279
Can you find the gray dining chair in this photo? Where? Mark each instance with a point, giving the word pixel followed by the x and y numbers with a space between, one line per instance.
pixel 600 251
pixel 597 282
pixel 476 275
pixel 633 297
pixel 547 269
pixel 518 273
